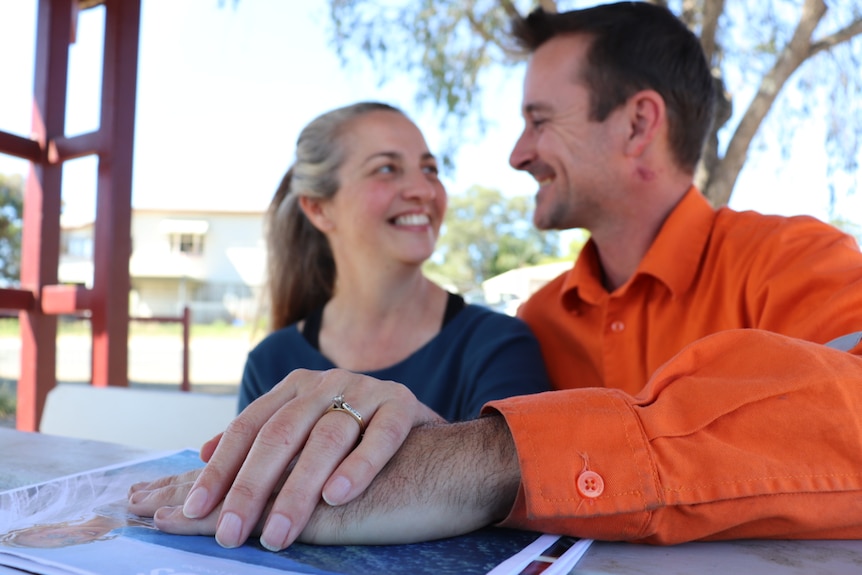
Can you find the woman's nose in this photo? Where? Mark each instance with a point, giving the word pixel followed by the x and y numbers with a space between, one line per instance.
pixel 420 185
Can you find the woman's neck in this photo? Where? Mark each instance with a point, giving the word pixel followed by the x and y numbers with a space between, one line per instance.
pixel 370 325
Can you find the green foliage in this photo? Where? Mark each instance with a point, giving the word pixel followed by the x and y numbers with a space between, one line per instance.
pixel 848 227
pixel 449 47
pixel 486 234
pixel 7 401
pixel 11 212
pixel 445 44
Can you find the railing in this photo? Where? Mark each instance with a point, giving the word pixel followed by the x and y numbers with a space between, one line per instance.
pixel 186 321
pixel 12 300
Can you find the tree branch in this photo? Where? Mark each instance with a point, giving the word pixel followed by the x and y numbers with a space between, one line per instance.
pixel 790 58
pixel 688 13
pixel 479 28
pixel 832 40
pixel 510 9
pixel 712 10
pixel 548 5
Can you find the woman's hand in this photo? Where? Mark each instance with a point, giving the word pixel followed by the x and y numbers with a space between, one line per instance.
pixel 287 445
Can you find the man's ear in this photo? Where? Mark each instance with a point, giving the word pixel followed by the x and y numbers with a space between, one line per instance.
pixel 313 209
pixel 646 115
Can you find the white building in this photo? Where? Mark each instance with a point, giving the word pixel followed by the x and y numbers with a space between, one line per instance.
pixel 507 291
pixel 212 262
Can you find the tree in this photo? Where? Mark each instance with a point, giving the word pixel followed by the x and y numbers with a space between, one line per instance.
pixel 848 227
pixel 11 209
pixel 486 234
pixel 756 49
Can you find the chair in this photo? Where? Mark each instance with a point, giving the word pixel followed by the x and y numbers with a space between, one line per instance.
pixel 145 418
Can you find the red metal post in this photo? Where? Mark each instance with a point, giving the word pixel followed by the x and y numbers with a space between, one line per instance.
pixel 187 325
pixel 40 242
pixel 112 233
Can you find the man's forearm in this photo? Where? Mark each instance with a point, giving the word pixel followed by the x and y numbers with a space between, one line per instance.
pixel 445 480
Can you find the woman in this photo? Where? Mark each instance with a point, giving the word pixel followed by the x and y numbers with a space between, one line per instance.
pixel 348 230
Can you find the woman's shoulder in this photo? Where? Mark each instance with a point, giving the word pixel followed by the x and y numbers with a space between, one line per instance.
pixel 277 339
pixel 480 318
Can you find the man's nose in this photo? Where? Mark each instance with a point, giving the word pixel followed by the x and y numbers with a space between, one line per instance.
pixel 523 152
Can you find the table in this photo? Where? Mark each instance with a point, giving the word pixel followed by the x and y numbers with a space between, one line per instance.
pixel 27 458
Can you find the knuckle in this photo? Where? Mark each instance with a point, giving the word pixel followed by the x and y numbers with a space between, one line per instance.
pixel 243 490
pixel 297 495
pixel 326 436
pixel 276 432
pixel 240 426
pixel 365 466
pixel 391 431
pixel 402 394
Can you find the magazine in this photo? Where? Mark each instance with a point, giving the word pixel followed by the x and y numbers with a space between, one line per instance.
pixel 79 524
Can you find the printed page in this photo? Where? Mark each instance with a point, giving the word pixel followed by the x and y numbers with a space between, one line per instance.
pixel 80 525
pixel 548 555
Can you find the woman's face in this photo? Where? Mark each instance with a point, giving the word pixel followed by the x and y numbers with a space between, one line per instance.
pixel 390 201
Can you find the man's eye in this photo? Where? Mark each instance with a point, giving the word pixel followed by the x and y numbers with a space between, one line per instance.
pixel 537 122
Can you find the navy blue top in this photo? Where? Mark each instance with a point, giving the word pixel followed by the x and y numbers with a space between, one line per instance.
pixel 478 356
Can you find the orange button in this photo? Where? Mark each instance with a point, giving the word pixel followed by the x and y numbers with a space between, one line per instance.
pixel 590 484
pixel 617 326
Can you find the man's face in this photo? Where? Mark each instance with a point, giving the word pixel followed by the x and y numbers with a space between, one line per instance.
pixel 570 156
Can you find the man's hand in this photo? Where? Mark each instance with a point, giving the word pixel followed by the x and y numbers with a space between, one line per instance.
pixel 446 480
pixel 286 445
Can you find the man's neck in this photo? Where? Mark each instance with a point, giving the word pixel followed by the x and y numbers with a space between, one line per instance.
pixel 622 247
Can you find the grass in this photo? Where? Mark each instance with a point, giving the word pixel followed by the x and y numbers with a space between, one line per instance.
pixel 9 327
pixel 7 400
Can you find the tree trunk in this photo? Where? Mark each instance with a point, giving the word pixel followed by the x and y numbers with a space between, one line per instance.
pixel 717 176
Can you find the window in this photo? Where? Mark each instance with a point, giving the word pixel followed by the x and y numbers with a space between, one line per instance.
pixel 191 244
pixel 185 236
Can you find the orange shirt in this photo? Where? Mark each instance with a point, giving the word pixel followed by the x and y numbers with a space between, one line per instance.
pixel 694 403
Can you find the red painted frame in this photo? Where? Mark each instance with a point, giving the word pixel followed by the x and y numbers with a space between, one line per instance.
pixel 41 298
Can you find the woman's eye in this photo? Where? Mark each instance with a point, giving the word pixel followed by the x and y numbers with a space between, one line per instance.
pixel 386 169
pixel 430 170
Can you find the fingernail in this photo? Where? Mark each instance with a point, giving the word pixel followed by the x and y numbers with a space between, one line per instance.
pixel 275 532
pixel 138 496
pixel 194 505
pixel 164 513
pixel 229 531
pixel 336 491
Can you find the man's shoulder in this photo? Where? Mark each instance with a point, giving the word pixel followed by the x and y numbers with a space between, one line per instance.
pixel 751 226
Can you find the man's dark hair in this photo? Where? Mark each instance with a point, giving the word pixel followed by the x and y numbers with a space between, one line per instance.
pixel 637 46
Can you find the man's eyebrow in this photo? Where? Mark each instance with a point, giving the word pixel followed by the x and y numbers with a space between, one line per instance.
pixel 535 107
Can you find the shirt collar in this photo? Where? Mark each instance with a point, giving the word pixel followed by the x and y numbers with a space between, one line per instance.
pixel 673 258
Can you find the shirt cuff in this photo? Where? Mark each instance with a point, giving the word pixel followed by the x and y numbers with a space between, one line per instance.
pixel 602 483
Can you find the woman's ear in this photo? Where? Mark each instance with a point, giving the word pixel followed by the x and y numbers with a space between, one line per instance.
pixel 313 209
pixel 646 115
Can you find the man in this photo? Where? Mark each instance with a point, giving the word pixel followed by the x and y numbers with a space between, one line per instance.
pixel 696 400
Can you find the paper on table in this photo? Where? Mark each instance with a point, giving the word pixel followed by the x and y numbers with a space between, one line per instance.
pixel 83 509
pixel 548 555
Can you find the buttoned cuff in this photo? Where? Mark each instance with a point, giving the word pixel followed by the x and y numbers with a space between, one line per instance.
pixel 599 483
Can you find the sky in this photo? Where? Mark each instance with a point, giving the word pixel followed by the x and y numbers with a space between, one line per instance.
pixel 224 88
